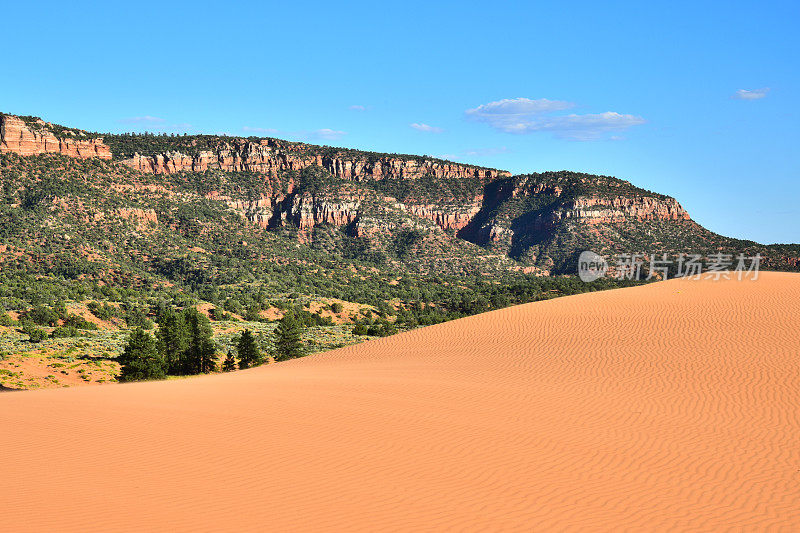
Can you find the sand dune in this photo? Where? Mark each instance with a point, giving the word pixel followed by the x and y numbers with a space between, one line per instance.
pixel 667 407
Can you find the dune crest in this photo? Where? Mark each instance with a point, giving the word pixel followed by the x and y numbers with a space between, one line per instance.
pixel 672 406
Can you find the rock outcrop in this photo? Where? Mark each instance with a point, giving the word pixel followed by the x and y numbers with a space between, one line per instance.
pixel 305 212
pixel 274 156
pixel 598 210
pixel 520 215
pixel 452 217
pixel 526 210
pixel 38 137
pixel 144 216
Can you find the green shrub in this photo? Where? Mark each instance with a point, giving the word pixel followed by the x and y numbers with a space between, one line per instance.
pixel 78 322
pixel 6 320
pixel 35 335
pixel 102 311
pixel 253 313
pixel 383 330
pixel 137 318
pixel 65 331
pixel 42 315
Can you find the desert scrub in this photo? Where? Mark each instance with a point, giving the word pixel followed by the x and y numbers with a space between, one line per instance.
pixel 6 320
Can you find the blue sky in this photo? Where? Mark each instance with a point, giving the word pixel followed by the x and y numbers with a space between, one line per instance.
pixel 698 100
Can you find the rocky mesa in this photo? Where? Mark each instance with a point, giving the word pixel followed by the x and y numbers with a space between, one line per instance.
pixel 274 156
pixel 31 136
pixel 339 194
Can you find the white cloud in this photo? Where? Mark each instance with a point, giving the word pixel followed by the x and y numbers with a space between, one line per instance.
pixel 426 128
pixel 519 106
pixel 524 115
pixel 585 127
pixel 751 94
pixel 147 119
pixel 358 108
pixel 327 134
pixel 513 114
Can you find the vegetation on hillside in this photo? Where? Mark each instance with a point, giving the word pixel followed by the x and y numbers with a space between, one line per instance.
pixel 125 145
pixel 94 256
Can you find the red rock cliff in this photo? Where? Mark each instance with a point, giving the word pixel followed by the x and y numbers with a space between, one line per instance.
pixel 273 156
pixel 611 209
pixel 596 210
pixel 32 138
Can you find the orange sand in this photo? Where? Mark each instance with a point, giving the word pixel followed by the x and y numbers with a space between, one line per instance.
pixel 670 407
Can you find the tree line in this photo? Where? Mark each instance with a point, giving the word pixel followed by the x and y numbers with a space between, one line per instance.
pixel 183 345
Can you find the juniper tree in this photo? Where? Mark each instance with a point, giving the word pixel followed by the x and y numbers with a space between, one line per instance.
pixel 229 364
pixel 288 344
pixel 34 334
pixel 199 356
pixel 140 360
pixel 172 340
pixel 253 313
pixel 249 353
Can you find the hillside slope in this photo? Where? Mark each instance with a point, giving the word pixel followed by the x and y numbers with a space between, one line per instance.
pixel 417 212
pixel 666 407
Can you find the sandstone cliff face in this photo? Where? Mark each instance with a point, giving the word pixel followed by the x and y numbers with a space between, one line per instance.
pixel 273 156
pixel 493 233
pixel 500 225
pixel 23 138
pixel 453 217
pixel 259 211
pixel 141 215
pixel 502 210
pixel 232 156
pixel 305 211
pixel 597 210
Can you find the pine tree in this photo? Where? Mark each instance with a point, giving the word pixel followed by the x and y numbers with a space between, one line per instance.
pixel 249 353
pixel 253 313
pixel 200 356
pixel 288 344
pixel 229 364
pixel 172 340
pixel 141 359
